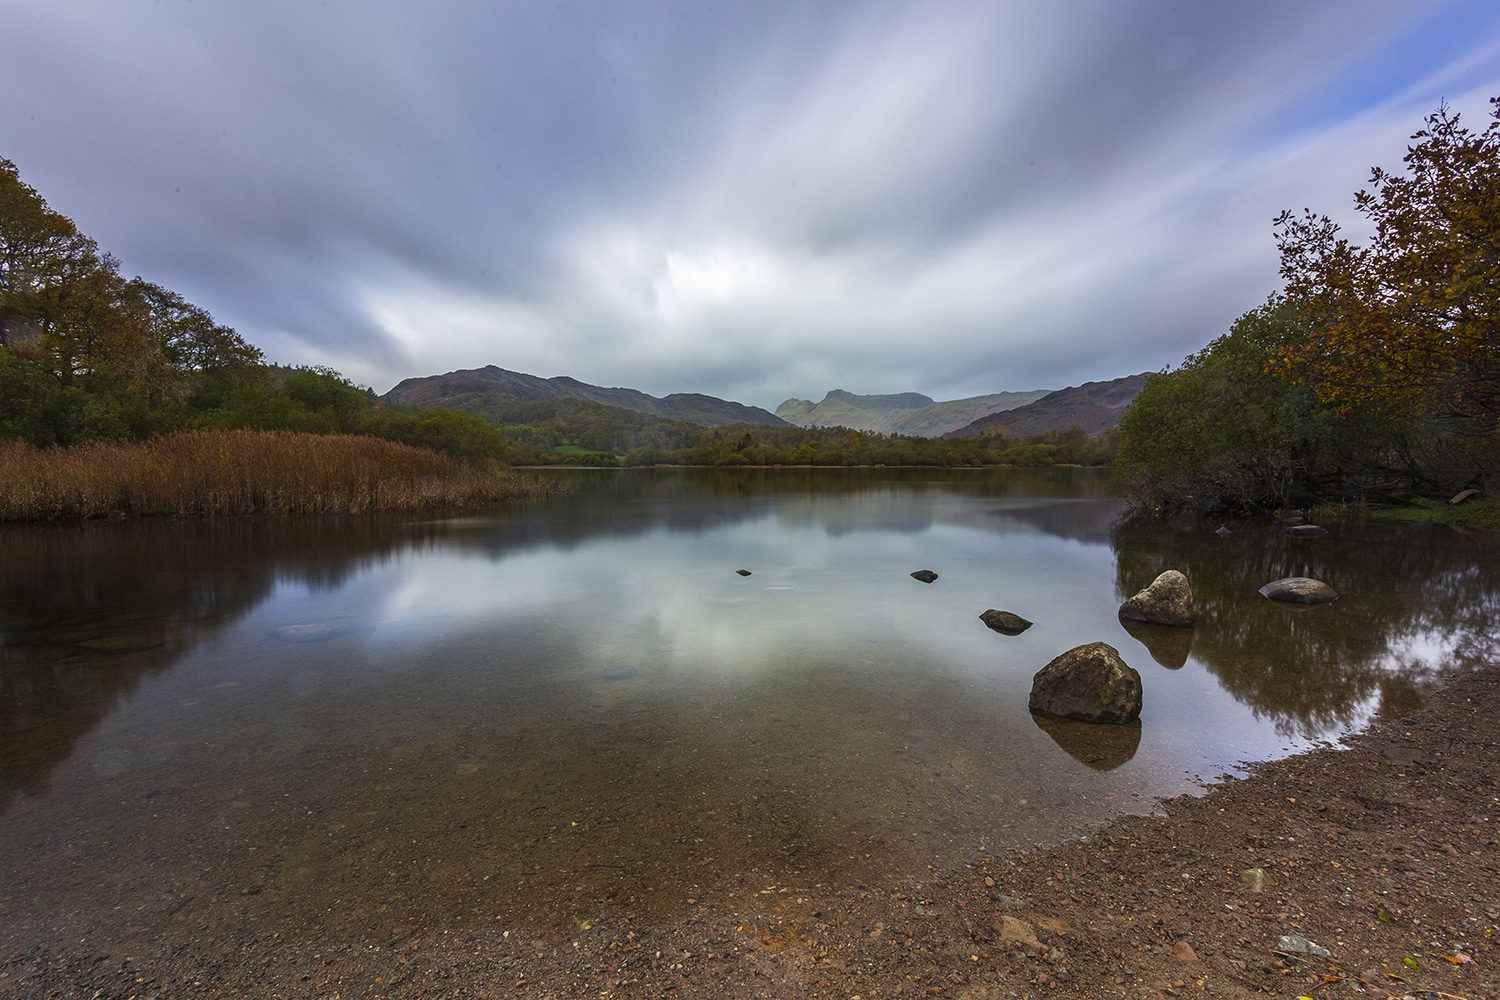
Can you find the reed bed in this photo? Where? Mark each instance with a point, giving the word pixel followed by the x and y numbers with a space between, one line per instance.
pixel 215 473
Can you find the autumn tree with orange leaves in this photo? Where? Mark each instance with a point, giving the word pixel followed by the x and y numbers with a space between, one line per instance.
pixel 1409 322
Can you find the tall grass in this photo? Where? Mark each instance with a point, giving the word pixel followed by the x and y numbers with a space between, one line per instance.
pixel 212 473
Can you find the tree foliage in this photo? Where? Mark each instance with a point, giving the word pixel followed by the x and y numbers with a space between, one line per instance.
pixel 1223 432
pixel 1410 320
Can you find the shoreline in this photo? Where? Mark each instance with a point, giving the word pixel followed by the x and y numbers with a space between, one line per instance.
pixel 1381 850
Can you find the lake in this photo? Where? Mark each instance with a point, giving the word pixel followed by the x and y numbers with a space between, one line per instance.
pixel 549 713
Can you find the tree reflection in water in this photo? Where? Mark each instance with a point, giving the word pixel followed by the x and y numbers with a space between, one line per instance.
pixel 88 612
pixel 1418 602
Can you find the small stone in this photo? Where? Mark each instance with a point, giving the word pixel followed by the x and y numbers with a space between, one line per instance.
pixel 1004 622
pixel 1255 879
pixel 1305 531
pixel 1183 952
pixel 1223 531
pixel 925 575
pixel 1018 931
pixel 743 572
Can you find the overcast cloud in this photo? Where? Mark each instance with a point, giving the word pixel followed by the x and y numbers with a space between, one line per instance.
pixel 754 200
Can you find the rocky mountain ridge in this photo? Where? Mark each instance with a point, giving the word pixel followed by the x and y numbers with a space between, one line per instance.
pixel 909 413
pixel 1094 406
pixel 471 389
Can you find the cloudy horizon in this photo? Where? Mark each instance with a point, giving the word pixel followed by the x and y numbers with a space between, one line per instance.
pixel 754 201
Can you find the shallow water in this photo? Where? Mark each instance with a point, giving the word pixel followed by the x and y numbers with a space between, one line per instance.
pixel 553 712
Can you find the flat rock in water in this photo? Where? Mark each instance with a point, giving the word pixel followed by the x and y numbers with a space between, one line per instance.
pixel 1168 601
pixel 1305 531
pixel 1090 683
pixel 925 575
pixel 309 632
pixel 1223 531
pixel 1005 622
pixel 1299 590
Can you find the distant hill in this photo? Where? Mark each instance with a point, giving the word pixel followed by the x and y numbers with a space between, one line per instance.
pixel 909 413
pixel 486 390
pixel 1094 406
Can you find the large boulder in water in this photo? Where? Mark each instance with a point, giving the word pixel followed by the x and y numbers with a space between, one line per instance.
pixel 1299 590
pixel 1168 601
pixel 1088 682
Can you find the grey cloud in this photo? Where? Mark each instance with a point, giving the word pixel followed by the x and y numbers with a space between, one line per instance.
pixel 752 200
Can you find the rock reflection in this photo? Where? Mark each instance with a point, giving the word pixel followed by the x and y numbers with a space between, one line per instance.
pixel 1097 745
pixel 1418 602
pixel 1168 645
pixel 88 612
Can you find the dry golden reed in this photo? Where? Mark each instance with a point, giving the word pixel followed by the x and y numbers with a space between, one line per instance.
pixel 213 473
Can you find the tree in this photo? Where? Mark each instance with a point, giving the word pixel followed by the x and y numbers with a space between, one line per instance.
pixel 1221 432
pixel 1411 321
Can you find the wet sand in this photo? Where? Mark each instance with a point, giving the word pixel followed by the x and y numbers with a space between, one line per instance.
pixel 1383 853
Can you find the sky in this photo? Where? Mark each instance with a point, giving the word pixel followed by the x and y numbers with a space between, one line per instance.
pixel 755 200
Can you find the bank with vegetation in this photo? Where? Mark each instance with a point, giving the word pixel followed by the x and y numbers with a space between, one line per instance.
pixel 120 397
pixel 835 447
pixel 217 473
pixel 1372 377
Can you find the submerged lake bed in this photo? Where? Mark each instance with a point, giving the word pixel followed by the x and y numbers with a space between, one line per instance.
pixel 554 716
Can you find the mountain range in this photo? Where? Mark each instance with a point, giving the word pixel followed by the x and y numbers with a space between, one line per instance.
pixel 514 397
pixel 485 390
pixel 909 413
pixel 1094 406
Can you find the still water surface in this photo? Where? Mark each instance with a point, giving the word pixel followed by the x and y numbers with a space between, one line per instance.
pixel 553 712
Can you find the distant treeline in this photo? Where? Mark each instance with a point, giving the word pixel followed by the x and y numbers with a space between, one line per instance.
pixel 745 445
pixel 1373 375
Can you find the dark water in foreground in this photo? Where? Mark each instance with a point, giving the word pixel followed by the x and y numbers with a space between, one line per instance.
pixel 578 707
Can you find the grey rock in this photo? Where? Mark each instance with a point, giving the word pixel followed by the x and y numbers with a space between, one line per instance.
pixel 925 575
pixel 1223 531
pixel 1005 622
pixel 1090 683
pixel 1305 531
pixel 1168 601
pixel 1299 590
pixel 1299 945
